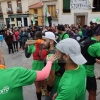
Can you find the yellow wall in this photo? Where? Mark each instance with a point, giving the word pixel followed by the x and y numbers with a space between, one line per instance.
pixel 39 12
pixel 40 16
pixel 31 13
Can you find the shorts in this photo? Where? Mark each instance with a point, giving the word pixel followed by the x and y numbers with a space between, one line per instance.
pixel 91 83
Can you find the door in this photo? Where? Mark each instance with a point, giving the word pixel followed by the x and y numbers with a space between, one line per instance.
pixel 25 22
pixel 80 20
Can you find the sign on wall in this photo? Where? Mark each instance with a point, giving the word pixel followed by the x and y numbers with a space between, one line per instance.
pixel 80 4
pixel 19 23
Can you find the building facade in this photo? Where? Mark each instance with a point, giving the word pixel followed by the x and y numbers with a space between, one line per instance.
pixel 79 13
pixel 15 12
pixel 38 9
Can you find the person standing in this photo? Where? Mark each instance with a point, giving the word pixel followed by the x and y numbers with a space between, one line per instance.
pixel 49 42
pixel 9 41
pixel 92 54
pixel 16 35
pixel 39 55
pixel 61 33
pixel 17 77
pixel 72 85
pixel 23 37
pixel 2 35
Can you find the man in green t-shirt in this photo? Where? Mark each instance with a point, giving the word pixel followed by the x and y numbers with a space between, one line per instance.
pixel 72 85
pixel 13 79
pixel 93 54
pixel 61 33
pixel 49 42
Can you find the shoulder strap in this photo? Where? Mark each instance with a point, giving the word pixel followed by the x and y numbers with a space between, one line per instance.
pixel 40 50
pixel 63 36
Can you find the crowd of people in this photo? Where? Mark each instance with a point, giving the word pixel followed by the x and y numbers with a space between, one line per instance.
pixel 71 53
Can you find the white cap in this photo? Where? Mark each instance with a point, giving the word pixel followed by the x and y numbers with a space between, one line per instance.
pixel 93 20
pixel 50 35
pixel 72 48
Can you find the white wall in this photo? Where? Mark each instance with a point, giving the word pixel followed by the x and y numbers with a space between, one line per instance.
pixel 4 10
pixel 68 18
pixel 24 5
pixel 14 6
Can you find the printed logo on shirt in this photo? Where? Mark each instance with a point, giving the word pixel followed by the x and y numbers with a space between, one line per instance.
pixel 4 90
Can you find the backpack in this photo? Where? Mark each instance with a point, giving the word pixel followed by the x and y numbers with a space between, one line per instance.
pixel 61 70
pixel 39 54
pixel 84 50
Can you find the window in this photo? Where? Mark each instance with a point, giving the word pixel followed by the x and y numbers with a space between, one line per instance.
pixel 9 6
pixel 66 6
pixel 52 10
pixel 35 11
pixel 12 19
pixel 96 4
pixel 19 6
pixel 0 8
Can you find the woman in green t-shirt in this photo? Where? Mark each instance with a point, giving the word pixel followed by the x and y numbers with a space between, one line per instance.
pixel 39 55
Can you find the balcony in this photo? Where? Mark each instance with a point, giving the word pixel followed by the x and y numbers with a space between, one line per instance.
pixel 19 10
pixel 9 11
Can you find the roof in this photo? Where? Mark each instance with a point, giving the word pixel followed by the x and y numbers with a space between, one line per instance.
pixel 37 5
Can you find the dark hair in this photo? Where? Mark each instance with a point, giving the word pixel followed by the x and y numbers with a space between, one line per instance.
pixel 61 28
pixel 35 27
pixel 38 35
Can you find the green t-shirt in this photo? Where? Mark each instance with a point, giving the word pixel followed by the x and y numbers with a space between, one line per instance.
pixel 12 80
pixel 31 49
pixel 72 85
pixel 80 33
pixel 93 50
pixel 55 67
pixel 65 36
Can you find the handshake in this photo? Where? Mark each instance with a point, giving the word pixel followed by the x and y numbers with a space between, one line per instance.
pixel 30 42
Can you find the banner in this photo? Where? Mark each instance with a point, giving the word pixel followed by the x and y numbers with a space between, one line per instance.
pixel 80 4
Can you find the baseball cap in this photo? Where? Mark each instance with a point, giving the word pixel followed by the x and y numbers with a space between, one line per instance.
pixel 72 48
pixel 50 35
pixel 61 28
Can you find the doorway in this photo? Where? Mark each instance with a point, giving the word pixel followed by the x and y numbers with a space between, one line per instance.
pixel 80 20
pixel 25 22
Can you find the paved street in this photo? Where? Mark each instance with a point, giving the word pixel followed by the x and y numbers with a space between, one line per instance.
pixel 18 59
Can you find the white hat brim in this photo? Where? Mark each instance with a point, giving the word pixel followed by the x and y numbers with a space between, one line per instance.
pixel 78 59
pixel 49 38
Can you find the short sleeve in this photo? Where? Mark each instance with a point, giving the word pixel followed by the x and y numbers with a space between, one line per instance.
pixel 66 93
pixel 31 49
pixel 66 36
pixel 94 50
pixel 26 77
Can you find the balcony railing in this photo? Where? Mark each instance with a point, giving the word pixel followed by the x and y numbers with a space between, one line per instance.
pixel 9 11
pixel 19 9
